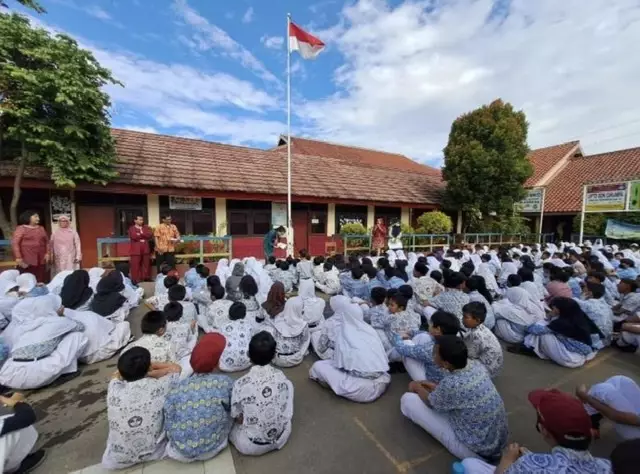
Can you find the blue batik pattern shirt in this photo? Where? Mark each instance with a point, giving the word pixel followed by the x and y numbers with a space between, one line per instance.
pixel 474 408
pixel 422 353
pixel 560 461
pixel 601 314
pixel 451 301
pixel 395 282
pixel 196 413
pixel 627 273
pixel 359 289
pixel 377 315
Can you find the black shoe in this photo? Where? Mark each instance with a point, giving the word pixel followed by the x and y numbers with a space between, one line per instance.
pixel 32 461
pixel 64 379
pixel 629 349
pixel 522 350
pixel 397 368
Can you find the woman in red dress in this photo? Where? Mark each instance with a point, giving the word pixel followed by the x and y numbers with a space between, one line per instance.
pixel 31 246
pixel 379 241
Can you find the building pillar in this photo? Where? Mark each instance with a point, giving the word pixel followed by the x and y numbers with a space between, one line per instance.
pixel 331 219
pixel 153 210
pixel 371 216
pixel 405 216
pixel 221 217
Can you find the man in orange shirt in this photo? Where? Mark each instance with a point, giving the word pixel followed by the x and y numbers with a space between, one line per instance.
pixel 166 235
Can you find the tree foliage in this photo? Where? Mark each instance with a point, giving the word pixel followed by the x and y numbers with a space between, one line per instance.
pixel 353 228
pixel 53 112
pixel 596 223
pixel 485 160
pixel 32 4
pixel 434 222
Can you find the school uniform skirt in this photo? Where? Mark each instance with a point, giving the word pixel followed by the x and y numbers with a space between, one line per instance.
pixel 349 386
pixel 549 347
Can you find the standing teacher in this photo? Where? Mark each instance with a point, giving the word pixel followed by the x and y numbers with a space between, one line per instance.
pixel 66 251
pixel 270 241
pixel 31 246
pixel 166 235
pixel 379 240
pixel 139 250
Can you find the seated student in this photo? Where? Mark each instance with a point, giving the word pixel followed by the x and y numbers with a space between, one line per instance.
pixel 76 292
pixel 452 299
pixel 312 307
pixel 377 312
pixel 284 276
pixel 329 283
pixel 305 267
pixel 192 279
pixel 528 283
pixel 506 268
pixel 412 304
pixel 237 332
pixel 287 327
pixel 249 290
pixel 232 286
pixel 193 270
pixel 481 343
pixel 201 281
pixel 217 313
pixel 565 426
pixel 261 402
pixel 629 302
pixel 570 338
pixel 132 291
pixel 182 334
pixel 391 278
pixel 196 409
pixel 574 282
pixel 372 274
pixel 398 322
pixel 478 292
pixel 358 368
pixel 108 300
pixel 162 274
pixel 318 268
pixel 293 270
pixel 417 357
pixel 439 279
pixel 358 284
pixel 153 327
pixel 514 314
pixel 270 267
pixel 598 310
pixel 627 270
pixel 323 340
pixel 18 436
pixel 610 292
pixel 463 411
pixel 487 271
pixel 135 401
pixel 617 399
pixel 160 300
pixel 558 286
pixel 178 294
pixel 424 287
pixel 202 297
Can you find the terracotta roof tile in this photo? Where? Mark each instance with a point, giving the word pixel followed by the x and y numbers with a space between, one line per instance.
pixel 564 193
pixel 543 159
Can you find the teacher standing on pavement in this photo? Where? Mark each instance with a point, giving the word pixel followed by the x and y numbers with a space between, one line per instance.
pixel 166 235
pixel 139 250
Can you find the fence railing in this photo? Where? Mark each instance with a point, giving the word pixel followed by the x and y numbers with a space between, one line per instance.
pixel 501 239
pixel 421 242
pixel 201 247
pixel 356 243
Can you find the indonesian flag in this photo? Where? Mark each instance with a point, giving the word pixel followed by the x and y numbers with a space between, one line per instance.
pixel 307 45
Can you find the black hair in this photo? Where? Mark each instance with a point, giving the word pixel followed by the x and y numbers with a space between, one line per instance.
pixel 389 272
pixel 504 257
pixel 25 217
pixel 134 364
pixel 485 257
pixel 281 230
pixel 628 262
pixel 399 299
pixel 422 259
pixel 303 253
pixel 596 266
pixel 152 322
pixel 237 311
pixel 199 268
pixel 170 281
pixel 318 260
pixel 476 309
pixel 406 291
pixel 401 270
pixel 217 292
pixel 356 273
pixel 514 280
pixel 558 274
pixel 173 311
pixel 378 295
pixel 597 290
pixel 445 264
pixel 165 269
pixel 272 260
pixel 383 263
pixel 327 266
pixel 525 274
pixel 454 280
pixel 366 261
pixel 527 263
pixel 371 271
pixel 166 216
pixel 213 280
pixel 262 348
pixel 193 263
pixel 177 293
pixel 452 350
pixel 248 286
pixel 204 272
pixel 284 265
pixel 467 269
pixel 625 457
pixel 448 323
pixel 437 276
pixel 392 292
pixel 421 269
pixel 631 283
pixel 598 275
pixel 478 283
pixel 123 267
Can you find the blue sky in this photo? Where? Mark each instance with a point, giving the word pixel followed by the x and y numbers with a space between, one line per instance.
pixel 394 76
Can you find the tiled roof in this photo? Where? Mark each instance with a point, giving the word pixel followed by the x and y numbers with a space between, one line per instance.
pixel 357 155
pixel 564 193
pixel 543 159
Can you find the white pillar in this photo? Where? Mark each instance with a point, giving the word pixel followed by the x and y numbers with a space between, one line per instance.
pixel 153 209
pixel 371 216
pixel 405 216
pixel 331 219
pixel 459 223
pixel 221 217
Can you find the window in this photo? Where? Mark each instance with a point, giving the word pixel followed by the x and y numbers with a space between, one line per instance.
pixel 249 217
pixel 350 214
pixel 239 223
pixel 318 222
pixel 191 222
pixel 125 217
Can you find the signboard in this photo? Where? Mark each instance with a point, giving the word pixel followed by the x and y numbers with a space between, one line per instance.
pixel 183 203
pixel 606 197
pixel 634 196
pixel 278 214
pixel 532 202
pixel 60 206
pixel 622 230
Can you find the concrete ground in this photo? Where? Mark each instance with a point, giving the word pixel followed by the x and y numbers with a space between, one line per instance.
pixel 330 435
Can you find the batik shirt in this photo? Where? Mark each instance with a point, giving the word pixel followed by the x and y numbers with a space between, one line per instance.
pixel 181 336
pixel 627 273
pixel 601 314
pixel 159 347
pixel 474 409
pixel 136 420
pixel 189 313
pixel 254 310
pixel 264 398
pixel 484 346
pixel 158 301
pixel 217 313
pixel 377 315
pixel 560 461
pixel 360 289
pixel 284 277
pixel 236 353
pixel 424 288
pixel 318 271
pixel 422 353
pixel 450 301
pixel 196 414
pixel 630 303
pixel 404 322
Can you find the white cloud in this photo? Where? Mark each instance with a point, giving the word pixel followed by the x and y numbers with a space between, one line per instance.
pixel 272 42
pixel 410 70
pixel 97 12
pixel 137 128
pixel 248 16
pixel 208 36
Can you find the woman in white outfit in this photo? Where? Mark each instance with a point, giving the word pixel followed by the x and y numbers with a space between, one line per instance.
pixel 323 341
pixel 514 314
pixel 312 306
pixel 358 369
pixel 223 271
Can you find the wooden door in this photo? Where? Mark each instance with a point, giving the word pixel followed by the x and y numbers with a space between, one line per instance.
pixel 300 230
pixel 94 222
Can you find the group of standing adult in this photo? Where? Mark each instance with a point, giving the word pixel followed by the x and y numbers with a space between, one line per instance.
pixel 144 241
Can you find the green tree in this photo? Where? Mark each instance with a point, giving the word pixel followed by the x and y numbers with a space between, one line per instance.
pixel 53 110
pixel 485 161
pixel 434 222
pixel 33 4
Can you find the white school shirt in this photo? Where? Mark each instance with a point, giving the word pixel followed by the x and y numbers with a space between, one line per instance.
pixel 161 349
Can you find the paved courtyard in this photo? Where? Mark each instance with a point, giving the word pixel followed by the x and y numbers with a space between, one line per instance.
pixel 330 435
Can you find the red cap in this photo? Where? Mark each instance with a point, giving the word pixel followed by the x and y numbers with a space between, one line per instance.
pixel 562 415
pixel 206 354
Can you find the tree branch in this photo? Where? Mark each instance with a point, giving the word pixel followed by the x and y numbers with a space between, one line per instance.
pixel 17 185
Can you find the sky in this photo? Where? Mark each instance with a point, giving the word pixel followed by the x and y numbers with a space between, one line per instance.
pixel 394 74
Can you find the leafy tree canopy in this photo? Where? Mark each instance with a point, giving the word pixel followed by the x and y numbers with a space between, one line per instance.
pixel 434 222
pixel 33 4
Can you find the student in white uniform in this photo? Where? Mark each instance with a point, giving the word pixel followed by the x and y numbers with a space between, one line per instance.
pixel 237 333
pixel 216 314
pixel 323 341
pixel 514 314
pixel 312 306
pixel 358 369
pixel 18 436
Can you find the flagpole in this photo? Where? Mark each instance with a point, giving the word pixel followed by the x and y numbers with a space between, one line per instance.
pixel 289 215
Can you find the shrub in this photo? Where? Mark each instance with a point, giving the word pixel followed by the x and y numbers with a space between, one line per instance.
pixel 434 222
pixel 353 228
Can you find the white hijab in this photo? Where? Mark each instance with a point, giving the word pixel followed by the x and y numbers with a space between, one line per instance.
pixel 9 275
pixel 262 278
pixel 484 270
pixel 26 282
pixel 507 269
pixel 391 256
pixel 313 307
pixel 521 298
pixel 56 284
pixel 98 329
pixel 95 275
pixel 223 271
pixel 358 346
pixel 400 255
pixel 413 259
pixel 289 323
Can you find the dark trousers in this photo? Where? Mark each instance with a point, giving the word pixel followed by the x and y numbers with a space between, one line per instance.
pixel 168 257
pixel 39 271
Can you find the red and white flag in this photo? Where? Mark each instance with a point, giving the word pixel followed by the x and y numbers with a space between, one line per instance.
pixel 304 43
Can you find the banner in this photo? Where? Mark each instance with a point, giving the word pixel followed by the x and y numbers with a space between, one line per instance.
pixel 532 202
pixel 634 196
pixel 622 230
pixel 183 203
pixel 278 214
pixel 606 197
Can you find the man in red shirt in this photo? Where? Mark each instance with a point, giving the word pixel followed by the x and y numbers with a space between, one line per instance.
pixel 139 250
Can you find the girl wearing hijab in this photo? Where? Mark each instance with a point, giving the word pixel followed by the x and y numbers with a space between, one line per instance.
pixel 76 292
pixel 570 338
pixel 43 345
pixel 507 268
pixel 514 314
pixel 288 329
pixel 249 289
pixel 8 295
pixel 478 292
pixel 323 341
pixel 108 300
pixel 232 285
pixel 55 285
pixel 312 306
pixel 95 274
pixel 358 368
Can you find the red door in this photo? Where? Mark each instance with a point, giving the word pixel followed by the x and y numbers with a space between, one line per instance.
pixel 94 222
pixel 300 230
